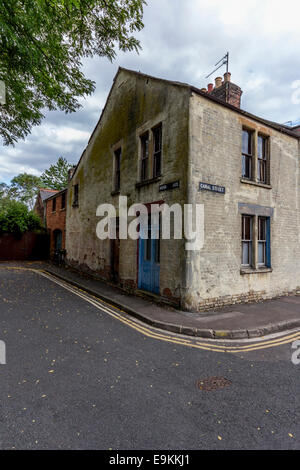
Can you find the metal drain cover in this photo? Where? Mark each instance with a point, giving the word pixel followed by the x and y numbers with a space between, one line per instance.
pixel 213 383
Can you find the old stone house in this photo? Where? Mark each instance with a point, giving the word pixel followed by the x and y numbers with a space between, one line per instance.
pixel 162 141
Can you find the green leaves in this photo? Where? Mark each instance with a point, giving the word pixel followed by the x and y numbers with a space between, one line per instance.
pixel 16 218
pixel 42 46
pixel 56 177
pixel 24 188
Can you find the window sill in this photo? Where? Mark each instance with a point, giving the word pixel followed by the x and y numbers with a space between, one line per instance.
pixel 63 209
pixel 261 270
pixel 256 183
pixel 147 182
pixel 115 193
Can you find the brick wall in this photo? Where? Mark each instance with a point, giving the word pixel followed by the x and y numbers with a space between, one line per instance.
pixel 56 220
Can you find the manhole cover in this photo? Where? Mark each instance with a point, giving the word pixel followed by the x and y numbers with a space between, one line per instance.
pixel 213 383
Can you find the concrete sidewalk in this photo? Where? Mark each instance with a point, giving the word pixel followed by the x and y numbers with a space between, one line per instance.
pixel 233 322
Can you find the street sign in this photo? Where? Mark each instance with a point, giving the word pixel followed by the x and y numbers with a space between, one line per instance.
pixel 211 187
pixel 168 186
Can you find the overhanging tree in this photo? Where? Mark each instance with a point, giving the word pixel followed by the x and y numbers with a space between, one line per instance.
pixel 43 43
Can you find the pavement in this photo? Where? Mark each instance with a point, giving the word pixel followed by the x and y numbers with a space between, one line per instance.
pixel 77 376
pixel 239 321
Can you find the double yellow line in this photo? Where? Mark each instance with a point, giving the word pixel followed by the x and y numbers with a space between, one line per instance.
pixel 155 333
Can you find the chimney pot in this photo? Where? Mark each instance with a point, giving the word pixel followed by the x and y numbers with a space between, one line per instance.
pixel 210 87
pixel 204 90
pixel 218 82
pixel 227 77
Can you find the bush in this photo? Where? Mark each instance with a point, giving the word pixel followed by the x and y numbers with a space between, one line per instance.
pixel 16 218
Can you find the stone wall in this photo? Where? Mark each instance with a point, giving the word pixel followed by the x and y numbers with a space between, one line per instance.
pixel 136 104
pixel 215 275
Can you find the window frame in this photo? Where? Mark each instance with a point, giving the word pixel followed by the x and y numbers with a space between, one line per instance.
pixel 262 159
pixel 262 240
pixel 248 155
pixel 145 156
pixel 260 235
pixel 117 168
pixel 248 242
pixel 157 153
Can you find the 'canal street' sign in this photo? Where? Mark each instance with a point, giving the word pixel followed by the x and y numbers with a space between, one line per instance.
pixel 211 187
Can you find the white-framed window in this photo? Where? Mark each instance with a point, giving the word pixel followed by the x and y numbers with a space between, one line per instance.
pixel 262 159
pixel 247 153
pixel 262 241
pixel 247 241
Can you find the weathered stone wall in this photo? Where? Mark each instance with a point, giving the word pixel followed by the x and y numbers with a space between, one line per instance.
pixel 136 104
pixel 214 275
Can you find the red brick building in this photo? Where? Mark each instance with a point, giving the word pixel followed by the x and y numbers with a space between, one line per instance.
pixel 56 220
pixel 40 207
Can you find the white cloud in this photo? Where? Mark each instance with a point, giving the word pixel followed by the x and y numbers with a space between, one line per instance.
pixel 182 40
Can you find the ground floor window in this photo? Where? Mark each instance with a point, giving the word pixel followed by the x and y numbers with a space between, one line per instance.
pixel 256 241
pixel 262 241
pixel 247 240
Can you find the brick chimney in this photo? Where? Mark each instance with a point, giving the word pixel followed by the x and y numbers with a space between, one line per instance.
pixel 71 172
pixel 226 91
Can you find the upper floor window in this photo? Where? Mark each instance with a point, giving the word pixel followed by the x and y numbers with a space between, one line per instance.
pixel 247 154
pixel 75 196
pixel 63 200
pixel 157 149
pixel 54 204
pixel 117 154
pixel 262 159
pixel 144 156
pixel 255 157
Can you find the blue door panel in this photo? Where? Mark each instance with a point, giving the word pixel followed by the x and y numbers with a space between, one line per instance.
pixel 149 268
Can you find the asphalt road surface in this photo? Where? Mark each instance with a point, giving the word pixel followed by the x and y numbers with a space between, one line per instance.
pixel 78 377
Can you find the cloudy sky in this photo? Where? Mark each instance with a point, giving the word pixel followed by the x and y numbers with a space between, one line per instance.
pixel 182 40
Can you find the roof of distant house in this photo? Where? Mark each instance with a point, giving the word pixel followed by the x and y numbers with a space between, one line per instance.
pixel 56 193
pixel 45 193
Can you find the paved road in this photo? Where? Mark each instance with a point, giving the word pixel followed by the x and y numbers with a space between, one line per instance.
pixel 77 378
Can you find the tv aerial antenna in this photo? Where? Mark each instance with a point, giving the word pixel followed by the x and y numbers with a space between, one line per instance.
pixel 223 61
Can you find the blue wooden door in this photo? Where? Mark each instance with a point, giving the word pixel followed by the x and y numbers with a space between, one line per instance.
pixel 149 260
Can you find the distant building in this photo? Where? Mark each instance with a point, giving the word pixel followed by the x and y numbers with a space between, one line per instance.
pixel 55 210
pixel 162 141
pixel 39 207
